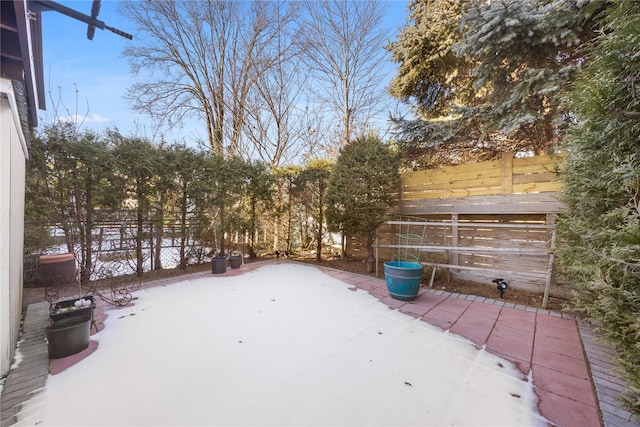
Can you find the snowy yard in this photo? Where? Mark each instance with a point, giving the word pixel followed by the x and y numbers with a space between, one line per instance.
pixel 280 345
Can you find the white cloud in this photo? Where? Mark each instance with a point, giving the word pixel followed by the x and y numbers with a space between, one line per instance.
pixel 97 118
pixel 83 119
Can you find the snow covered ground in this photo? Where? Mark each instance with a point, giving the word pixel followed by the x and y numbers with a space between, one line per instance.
pixel 280 345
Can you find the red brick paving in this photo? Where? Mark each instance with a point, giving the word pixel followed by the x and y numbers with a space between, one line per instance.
pixel 545 345
pixel 563 411
pixel 477 330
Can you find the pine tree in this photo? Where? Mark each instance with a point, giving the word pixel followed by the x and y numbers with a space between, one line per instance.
pixel 527 56
pixel 486 77
pixel 430 74
pixel 436 82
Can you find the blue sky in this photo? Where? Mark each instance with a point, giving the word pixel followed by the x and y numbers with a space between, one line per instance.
pixel 95 68
pixel 89 78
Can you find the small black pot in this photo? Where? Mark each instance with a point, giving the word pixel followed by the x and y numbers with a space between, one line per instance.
pixel 235 261
pixel 218 265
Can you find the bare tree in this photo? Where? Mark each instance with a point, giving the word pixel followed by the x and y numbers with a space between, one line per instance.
pixel 204 58
pixel 344 51
pixel 278 122
pixel 283 129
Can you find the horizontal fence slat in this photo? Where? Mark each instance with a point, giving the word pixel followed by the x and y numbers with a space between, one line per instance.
pixel 454 173
pixel 542 203
pixel 548 177
pixel 487 269
pixel 506 176
pixel 466 249
pixel 550 162
pixel 463 224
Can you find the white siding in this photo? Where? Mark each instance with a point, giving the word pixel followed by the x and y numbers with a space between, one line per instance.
pixel 13 155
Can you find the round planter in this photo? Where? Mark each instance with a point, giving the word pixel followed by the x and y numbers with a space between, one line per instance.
pixel 235 261
pixel 55 312
pixel 57 269
pixel 403 279
pixel 218 265
pixel 68 336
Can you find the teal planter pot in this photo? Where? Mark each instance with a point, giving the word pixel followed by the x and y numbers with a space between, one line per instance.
pixel 403 279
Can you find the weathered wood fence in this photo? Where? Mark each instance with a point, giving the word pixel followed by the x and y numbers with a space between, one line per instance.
pixel 480 221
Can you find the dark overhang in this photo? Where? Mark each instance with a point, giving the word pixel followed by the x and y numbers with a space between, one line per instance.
pixel 21 54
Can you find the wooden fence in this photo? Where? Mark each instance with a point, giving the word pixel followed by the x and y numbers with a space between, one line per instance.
pixel 480 221
pixel 510 185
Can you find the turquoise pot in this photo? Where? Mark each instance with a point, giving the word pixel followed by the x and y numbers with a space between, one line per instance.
pixel 403 279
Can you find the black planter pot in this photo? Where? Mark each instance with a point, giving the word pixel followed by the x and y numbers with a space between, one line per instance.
pixel 67 310
pixel 218 265
pixel 68 336
pixel 235 261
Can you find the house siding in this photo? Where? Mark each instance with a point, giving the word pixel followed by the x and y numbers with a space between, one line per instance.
pixel 13 155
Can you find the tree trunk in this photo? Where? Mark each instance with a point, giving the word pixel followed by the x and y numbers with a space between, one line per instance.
pixel 88 238
pixel 252 229
pixel 222 229
pixel 140 231
pixel 183 229
pixel 319 231
pixel 370 257
pixel 159 234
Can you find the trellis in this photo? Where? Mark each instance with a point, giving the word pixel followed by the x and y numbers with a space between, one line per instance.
pixel 482 221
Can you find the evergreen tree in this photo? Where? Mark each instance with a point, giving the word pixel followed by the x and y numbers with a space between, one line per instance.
pixel 190 194
pixel 138 162
pixel 226 179
pixel 430 74
pixel 527 55
pixel 286 179
pixel 601 229
pixel 165 187
pixel 436 82
pixel 259 192
pixel 70 177
pixel 314 180
pixel 492 78
pixel 364 184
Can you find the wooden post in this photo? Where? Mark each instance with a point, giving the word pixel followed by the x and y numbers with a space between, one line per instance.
pixel 455 243
pixel 550 270
pixel 507 173
pixel 433 276
pixel 377 252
